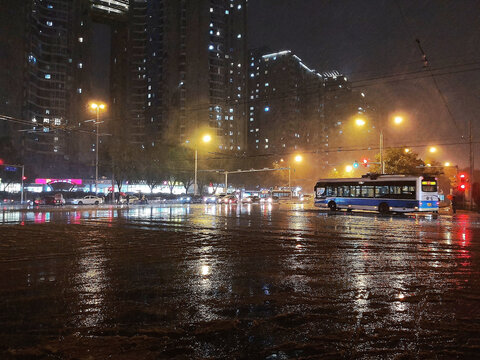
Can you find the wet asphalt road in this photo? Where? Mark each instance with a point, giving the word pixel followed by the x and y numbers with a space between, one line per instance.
pixel 266 282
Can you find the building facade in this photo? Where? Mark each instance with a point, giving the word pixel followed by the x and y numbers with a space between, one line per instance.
pixel 176 68
pixel 285 108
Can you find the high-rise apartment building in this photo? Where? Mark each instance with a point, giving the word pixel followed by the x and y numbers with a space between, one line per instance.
pixel 342 106
pixel 176 68
pixel 285 108
pixel 204 78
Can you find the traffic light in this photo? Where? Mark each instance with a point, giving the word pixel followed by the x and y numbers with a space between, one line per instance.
pixel 462 181
pixel 24 178
pixel 365 161
pixel 2 162
pixel 355 164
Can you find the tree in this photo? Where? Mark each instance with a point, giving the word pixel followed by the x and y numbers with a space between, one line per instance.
pixel 397 161
pixel 179 166
pixel 123 159
pixel 152 166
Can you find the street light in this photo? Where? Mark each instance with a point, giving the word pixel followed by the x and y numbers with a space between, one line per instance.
pixel 447 164
pixel 298 158
pixel 97 107
pixel 407 150
pixel 397 120
pixel 433 149
pixel 206 139
pixel 360 122
pixel 348 168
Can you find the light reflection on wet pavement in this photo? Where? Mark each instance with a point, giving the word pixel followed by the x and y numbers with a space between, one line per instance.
pixel 269 282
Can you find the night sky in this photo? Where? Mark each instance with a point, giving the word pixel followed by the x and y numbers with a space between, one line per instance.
pixel 373 38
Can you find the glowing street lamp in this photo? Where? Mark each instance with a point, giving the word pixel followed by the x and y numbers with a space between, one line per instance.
pixel 433 149
pixel 298 158
pixel 349 168
pixel 97 107
pixel 360 122
pixel 406 150
pixel 206 139
pixel 398 120
pixel 447 164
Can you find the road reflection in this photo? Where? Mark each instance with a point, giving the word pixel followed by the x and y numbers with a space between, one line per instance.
pixel 215 280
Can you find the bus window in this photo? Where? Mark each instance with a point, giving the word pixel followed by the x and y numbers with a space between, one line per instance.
pixel 320 191
pixel 355 191
pixel 331 190
pixel 381 191
pixel 395 191
pixel 344 191
pixel 367 191
pixel 408 192
pixel 429 186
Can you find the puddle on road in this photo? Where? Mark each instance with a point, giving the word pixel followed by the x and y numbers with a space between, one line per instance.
pixel 230 281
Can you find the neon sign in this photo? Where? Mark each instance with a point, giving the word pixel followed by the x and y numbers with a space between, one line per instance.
pixel 54 181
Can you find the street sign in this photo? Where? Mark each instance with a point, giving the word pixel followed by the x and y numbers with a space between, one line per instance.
pixel 10 168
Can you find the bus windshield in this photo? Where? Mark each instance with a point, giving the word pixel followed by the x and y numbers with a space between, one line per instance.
pixel 429 186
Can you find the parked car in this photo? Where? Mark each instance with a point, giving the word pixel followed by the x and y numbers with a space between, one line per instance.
pixel 54 200
pixel 87 200
pixel 132 199
pixel 59 199
pixel 211 199
pixel 184 199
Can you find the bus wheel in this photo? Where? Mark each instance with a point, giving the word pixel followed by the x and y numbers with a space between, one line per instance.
pixel 332 206
pixel 383 208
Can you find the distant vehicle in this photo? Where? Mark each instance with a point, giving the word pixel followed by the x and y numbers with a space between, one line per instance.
pixel 132 200
pixel 251 199
pixel 306 197
pixel 220 198
pixel 196 199
pixel 382 193
pixel 87 200
pixel 269 199
pixel 58 199
pixel 54 200
pixel 212 199
pixel 230 199
pixel 185 199
pixel 281 194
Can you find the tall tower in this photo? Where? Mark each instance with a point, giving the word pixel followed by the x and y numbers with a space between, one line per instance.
pixel 205 74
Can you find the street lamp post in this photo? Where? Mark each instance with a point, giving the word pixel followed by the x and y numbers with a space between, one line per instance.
pixel 97 108
pixel 397 120
pixel 206 138
pixel 298 159
pixel 382 163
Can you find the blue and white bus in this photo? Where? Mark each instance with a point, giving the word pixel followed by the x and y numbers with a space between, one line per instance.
pixel 382 193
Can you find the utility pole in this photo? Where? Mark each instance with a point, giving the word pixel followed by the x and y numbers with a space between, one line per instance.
pixel 472 163
pixel 226 182
pixel 23 176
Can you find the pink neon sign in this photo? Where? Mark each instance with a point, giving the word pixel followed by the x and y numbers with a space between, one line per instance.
pixel 53 181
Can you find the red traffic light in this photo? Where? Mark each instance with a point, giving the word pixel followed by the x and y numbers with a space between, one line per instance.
pixel 24 178
pixel 462 181
pixel 1 162
pixel 365 162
